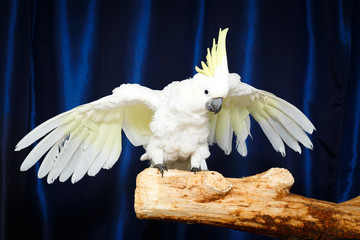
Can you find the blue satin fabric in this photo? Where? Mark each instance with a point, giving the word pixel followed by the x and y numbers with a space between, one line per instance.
pixel 56 55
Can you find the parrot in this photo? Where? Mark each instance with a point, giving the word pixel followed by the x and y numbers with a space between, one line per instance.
pixel 175 125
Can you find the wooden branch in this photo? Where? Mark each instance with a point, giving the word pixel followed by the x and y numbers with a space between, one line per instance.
pixel 259 204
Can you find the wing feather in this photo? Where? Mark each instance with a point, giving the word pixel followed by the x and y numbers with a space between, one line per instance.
pixel 104 155
pixel 43 129
pixel 135 128
pixel 240 122
pixel 212 126
pixel 65 157
pixel 289 139
pixel 224 131
pixel 71 164
pixel 291 111
pixel 270 133
pixel 280 121
pixel 295 129
pixel 114 154
pixel 88 138
pixel 42 147
pixel 89 153
pixel 50 159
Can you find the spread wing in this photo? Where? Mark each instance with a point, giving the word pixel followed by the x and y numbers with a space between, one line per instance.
pixel 280 120
pixel 88 138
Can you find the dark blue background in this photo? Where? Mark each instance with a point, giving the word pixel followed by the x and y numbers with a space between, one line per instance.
pixel 58 54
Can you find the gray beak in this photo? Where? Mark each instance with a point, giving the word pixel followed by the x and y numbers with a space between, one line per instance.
pixel 214 105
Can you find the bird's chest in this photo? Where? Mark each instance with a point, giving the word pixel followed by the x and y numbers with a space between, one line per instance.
pixel 179 136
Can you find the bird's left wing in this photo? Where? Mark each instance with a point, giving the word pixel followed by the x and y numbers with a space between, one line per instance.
pixel 88 138
pixel 280 120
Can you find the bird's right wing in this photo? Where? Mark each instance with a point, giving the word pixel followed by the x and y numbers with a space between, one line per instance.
pixel 88 138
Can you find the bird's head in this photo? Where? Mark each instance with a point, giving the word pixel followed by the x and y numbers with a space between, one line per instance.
pixel 207 89
pixel 214 75
pixel 195 96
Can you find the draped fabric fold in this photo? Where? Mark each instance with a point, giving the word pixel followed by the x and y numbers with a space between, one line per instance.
pixel 56 55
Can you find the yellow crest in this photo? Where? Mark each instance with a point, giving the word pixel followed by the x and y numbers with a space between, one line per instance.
pixel 215 56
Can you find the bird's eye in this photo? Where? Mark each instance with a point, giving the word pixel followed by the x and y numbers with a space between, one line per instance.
pixel 206 92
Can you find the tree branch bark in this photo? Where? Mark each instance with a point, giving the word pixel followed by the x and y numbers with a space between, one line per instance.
pixel 259 204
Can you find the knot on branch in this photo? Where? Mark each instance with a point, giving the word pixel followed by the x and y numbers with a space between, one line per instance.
pixel 214 186
pixel 277 180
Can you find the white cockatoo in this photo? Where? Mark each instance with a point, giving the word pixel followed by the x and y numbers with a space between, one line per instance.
pixel 175 125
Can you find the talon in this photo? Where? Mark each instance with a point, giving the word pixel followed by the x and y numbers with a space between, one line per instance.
pixel 195 169
pixel 161 168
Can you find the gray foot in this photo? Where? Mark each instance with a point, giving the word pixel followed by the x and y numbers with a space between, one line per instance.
pixel 195 169
pixel 161 168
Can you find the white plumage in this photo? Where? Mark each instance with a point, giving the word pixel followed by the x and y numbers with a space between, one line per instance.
pixel 175 125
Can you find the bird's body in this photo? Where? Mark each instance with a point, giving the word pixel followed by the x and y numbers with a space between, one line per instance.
pixel 174 139
pixel 175 125
pixel 178 136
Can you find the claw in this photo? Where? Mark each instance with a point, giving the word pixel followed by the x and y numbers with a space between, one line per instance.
pixel 161 168
pixel 195 169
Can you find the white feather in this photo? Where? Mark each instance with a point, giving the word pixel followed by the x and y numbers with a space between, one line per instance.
pixel 240 140
pixel 86 159
pixel 291 111
pixel 42 147
pixel 114 156
pixel 77 156
pixel 65 157
pixel 49 160
pixel 98 162
pixel 136 124
pixel 106 152
pixel 212 128
pixel 272 115
pixel 279 120
pixel 290 125
pixel 247 123
pixel 96 147
pixel 295 130
pixel 224 131
pixel 285 135
pixel 71 164
pixel 270 133
pixel 88 127
pixel 241 125
pixel 87 151
pixel 44 129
